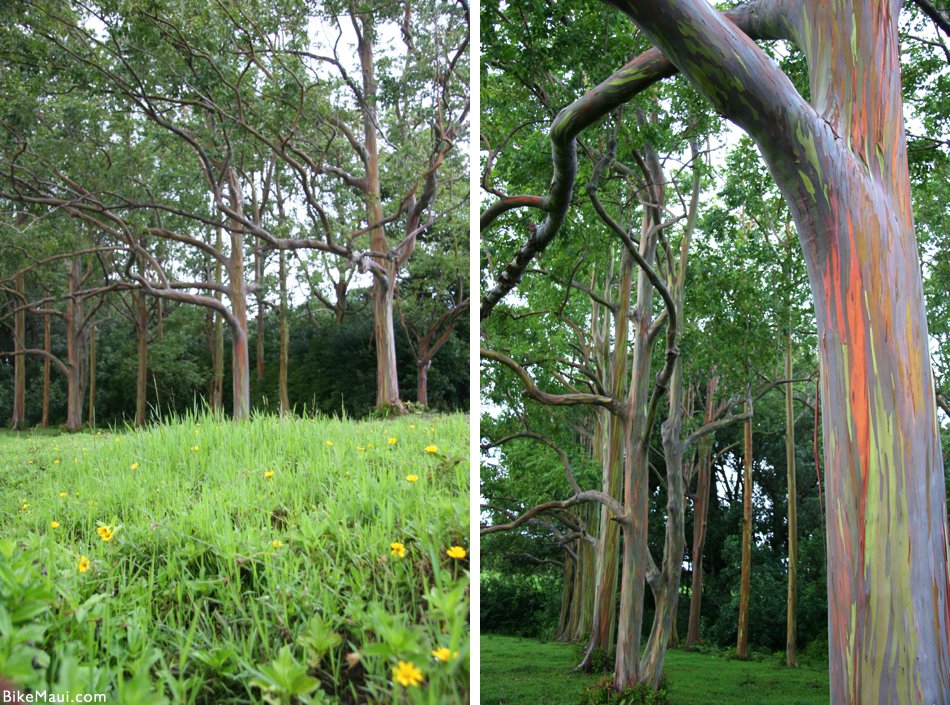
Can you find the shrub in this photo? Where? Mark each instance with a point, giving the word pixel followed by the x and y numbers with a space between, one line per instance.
pixel 604 693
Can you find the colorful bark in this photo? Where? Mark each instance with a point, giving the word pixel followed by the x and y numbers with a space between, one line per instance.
pixel 791 630
pixel 745 582
pixel 700 517
pixel 284 338
pixel 47 363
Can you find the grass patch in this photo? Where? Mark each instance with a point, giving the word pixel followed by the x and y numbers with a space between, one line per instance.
pixel 288 560
pixel 525 671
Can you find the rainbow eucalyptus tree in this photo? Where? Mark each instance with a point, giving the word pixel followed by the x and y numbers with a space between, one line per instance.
pixel 840 161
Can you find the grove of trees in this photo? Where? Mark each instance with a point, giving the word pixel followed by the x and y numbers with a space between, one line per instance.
pixel 721 334
pixel 288 178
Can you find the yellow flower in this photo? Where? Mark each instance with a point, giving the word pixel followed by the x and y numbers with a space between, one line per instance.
pixel 412 478
pixel 134 466
pixel 54 524
pixel 98 433
pixel 328 443
pixel 432 449
pixel 391 441
pixel 407 674
pixel 268 474
pixel 360 449
pixel 443 654
pixel 456 552
pixel 83 564
pixel 276 543
pixel 412 425
pixel 29 462
pixel 64 494
pixel 397 549
pixel 56 462
pixel 105 533
pixel 195 448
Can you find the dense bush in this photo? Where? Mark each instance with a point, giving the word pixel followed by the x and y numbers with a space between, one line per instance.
pixel 519 604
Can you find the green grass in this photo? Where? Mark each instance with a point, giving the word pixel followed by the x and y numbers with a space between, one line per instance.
pixel 223 584
pixel 525 672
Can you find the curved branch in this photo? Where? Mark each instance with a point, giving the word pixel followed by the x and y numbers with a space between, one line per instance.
pixel 532 390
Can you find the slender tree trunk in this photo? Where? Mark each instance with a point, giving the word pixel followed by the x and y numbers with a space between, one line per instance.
pixel 791 632
pixel 217 335
pixel 74 350
pixel 423 365
pixel 141 371
pixel 745 586
pixel 636 486
pixel 384 287
pixel 18 422
pixel 284 341
pixel 259 295
pixel 700 516
pixel 47 348
pixel 567 592
pixel 92 375
pixel 240 364
pixel 610 437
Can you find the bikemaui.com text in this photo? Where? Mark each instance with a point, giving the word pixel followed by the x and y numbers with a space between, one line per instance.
pixel 41 696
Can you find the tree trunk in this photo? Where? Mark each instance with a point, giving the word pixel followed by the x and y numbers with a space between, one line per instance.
pixel 141 371
pixel 610 437
pixel 636 486
pixel 217 335
pixel 791 631
pixel 259 295
pixel 423 365
pixel 384 286
pixel 284 341
pixel 18 422
pixel 745 584
pixel 240 364
pixel 567 593
pixel 700 516
pixel 75 352
pixel 47 348
pixel 841 163
pixel 92 375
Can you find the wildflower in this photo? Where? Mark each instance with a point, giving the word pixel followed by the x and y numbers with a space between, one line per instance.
pixel 83 564
pixel 412 425
pixel 29 462
pixel 391 441
pixel 360 449
pixel 412 478
pixel 397 549
pixel 98 433
pixel 195 448
pixel 407 674
pixel 443 654
pixel 56 462
pixel 456 552
pixel 134 466
pixel 432 449
pixel 54 525
pixel 64 494
pixel 328 443
pixel 268 474
pixel 276 543
pixel 105 533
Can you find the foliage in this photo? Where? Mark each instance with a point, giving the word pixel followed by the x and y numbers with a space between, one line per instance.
pixel 603 693
pixel 242 561
pixel 518 604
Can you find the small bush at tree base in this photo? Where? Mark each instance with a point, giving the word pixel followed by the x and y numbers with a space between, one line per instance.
pixel 604 693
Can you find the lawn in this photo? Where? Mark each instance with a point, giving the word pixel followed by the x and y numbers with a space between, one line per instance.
pixel 205 561
pixel 526 672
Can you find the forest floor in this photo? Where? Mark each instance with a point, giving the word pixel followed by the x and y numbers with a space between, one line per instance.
pixel 526 672
pixel 205 561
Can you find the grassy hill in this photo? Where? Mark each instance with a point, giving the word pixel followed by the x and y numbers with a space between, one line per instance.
pixel 210 562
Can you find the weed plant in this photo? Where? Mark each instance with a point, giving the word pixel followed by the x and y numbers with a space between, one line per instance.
pixel 203 561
